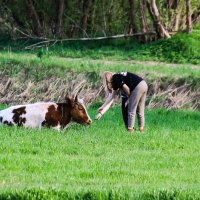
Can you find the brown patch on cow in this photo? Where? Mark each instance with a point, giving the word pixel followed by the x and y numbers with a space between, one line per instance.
pixel 52 117
pixel 59 115
pixel 17 118
pixel 64 113
pixel 79 114
pixel 64 110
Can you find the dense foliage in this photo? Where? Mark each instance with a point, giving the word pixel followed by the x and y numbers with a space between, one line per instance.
pixel 50 18
pixel 181 48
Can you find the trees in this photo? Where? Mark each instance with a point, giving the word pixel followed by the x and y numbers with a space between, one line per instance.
pixel 59 27
pixel 84 18
pixel 34 17
pixel 133 26
pixel 155 16
pixel 85 15
pixel 188 17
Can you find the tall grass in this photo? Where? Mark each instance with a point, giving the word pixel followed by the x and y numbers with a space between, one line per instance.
pixel 102 160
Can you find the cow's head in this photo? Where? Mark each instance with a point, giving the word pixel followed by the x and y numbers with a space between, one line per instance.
pixel 78 111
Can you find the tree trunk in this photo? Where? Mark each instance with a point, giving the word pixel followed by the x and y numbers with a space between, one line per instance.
pixel 110 16
pixel 183 23
pixel 188 17
pixel 17 21
pixel 142 16
pixel 154 13
pixel 196 15
pixel 143 22
pixel 91 19
pixel 174 4
pixel 133 27
pixel 85 15
pixel 177 20
pixel 59 27
pixel 34 16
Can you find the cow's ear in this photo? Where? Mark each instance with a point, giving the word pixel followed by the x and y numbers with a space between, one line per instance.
pixel 68 100
pixel 76 98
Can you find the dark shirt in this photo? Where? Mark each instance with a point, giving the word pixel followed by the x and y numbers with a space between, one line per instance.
pixel 130 79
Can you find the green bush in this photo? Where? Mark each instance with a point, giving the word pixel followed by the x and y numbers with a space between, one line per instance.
pixel 181 48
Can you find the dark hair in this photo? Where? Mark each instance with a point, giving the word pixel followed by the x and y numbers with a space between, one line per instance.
pixel 117 81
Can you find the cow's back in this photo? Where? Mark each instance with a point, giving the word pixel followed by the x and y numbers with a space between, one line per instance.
pixel 30 115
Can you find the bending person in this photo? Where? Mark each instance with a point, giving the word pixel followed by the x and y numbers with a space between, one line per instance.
pixel 133 91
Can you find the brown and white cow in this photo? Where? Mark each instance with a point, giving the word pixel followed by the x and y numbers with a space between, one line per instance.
pixel 49 114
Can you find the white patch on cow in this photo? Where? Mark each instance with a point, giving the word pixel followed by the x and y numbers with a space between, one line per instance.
pixel 57 128
pixel 7 114
pixel 35 113
pixel 81 101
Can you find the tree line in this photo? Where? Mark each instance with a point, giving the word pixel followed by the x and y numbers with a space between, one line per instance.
pixel 93 18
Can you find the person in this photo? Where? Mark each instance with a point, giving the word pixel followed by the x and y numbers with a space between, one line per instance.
pixel 133 91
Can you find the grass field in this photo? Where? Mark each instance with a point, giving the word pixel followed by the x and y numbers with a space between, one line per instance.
pixel 103 161
pixel 36 69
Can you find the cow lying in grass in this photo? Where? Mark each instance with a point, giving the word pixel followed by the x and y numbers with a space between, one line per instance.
pixel 49 114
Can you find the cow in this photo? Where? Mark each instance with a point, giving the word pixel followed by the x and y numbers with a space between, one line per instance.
pixel 46 114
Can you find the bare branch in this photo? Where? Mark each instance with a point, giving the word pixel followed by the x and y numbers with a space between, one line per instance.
pixel 88 39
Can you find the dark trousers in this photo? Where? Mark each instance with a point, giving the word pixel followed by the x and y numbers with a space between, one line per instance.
pixel 125 111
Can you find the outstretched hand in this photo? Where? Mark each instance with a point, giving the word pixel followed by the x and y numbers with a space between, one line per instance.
pixel 98 116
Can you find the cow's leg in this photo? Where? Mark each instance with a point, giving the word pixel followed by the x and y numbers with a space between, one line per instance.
pixel 58 127
pixel 1 119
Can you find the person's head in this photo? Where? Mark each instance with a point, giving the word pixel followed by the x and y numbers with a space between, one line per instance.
pixel 112 81
pixel 107 81
pixel 117 81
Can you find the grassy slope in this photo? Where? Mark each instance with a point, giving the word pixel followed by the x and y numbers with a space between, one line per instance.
pixel 13 63
pixel 181 48
pixel 114 55
pixel 103 158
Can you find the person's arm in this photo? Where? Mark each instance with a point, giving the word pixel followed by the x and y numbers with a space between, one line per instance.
pixel 106 105
pixel 126 89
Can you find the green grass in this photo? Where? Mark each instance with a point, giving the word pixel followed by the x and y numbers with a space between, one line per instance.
pixel 14 63
pixel 114 55
pixel 181 48
pixel 103 161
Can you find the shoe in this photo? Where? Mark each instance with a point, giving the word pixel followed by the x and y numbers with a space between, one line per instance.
pixel 141 129
pixel 130 130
